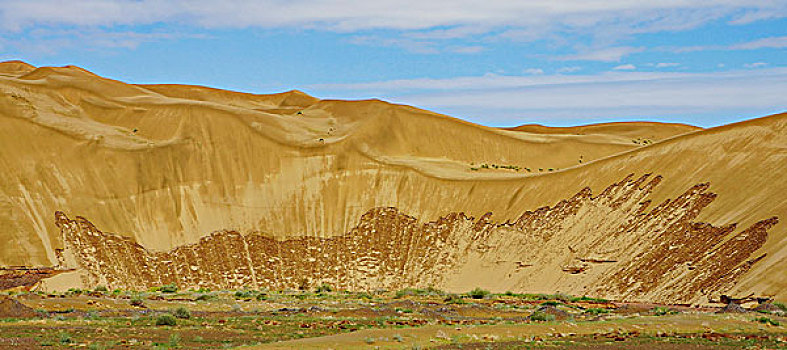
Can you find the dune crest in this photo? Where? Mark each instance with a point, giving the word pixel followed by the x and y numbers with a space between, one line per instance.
pixel 164 166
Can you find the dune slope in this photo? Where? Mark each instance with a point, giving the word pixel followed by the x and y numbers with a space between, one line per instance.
pixel 175 170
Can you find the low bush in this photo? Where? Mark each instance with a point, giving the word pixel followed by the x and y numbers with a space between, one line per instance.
pixel 166 320
pixel 478 293
pixel 766 320
pixel 168 288
pixel 542 316
pixel 182 312
pixel 596 311
pixel 324 288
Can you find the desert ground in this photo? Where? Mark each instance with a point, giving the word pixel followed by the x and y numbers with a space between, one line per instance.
pixel 288 221
pixel 322 318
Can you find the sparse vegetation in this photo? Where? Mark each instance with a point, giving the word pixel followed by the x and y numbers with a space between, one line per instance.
pixel 661 311
pixel 166 320
pixel 596 311
pixel 767 320
pixel 333 313
pixel 182 313
pixel 324 288
pixel 542 316
pixel 168 288
pixel 478 293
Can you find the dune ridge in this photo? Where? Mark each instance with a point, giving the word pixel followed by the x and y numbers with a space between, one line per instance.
pixel 167 165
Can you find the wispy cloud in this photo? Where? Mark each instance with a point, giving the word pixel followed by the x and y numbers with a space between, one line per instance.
pixel 497 99
pixel 755 65
pixel 438 19
pixel 571 69
pixel 778 42
pixel 609 54
pixel 770 43
pixel 625 67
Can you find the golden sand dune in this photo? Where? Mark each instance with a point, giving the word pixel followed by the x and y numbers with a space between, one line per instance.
pixel 631 130
pixel 167 165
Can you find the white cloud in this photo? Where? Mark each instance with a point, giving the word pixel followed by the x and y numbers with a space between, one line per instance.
pixel 571 69
pixel 778 42
pixel 609 54
pixel 493 98
pixel 467 49
pixel 667 64
pixel 770 43
pixel 755 65
pixel 625 67
pixel 534 71
pixel 469 17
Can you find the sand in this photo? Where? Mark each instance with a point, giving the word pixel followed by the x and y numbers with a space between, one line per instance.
pixel 169 164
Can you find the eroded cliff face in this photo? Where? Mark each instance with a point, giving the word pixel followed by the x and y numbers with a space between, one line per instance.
pixel 609 245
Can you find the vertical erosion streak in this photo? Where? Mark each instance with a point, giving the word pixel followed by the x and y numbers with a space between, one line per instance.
pixel 661 253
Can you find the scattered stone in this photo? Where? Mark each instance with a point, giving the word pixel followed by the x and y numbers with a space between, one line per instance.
pixel 732 308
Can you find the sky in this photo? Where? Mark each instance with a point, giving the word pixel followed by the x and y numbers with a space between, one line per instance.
pixel 497 63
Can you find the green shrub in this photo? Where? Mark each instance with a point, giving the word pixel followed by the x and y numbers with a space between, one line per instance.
pixel 166 320
pixel 454 299
pixel 205 297
pixel 244 294
pixel 262 296
pixel 766 320
pixel 781 306
pixel 364 295
pixel 137 302
pixel 542 316
pixel 64 338
pixel 596 311
pixel 182 312
pixel 589 299
pixel 324 288
pixel 168 288
pixel 100 289
pixel 661 311
pixel 478 293
pixel 174 340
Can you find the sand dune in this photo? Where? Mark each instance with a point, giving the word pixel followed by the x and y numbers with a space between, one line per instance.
pixel 167 165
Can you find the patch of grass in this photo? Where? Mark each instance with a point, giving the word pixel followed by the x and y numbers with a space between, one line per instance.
pixel 589 299
pixel 596 311
pixel 454 299
pixel 324 288
pixel 166 320
pixel 780 305
pixel 767 320
pixel 205 297
pixel 244 294
pixel 100 289
pixel 661 311
pixel 64 338
pixel 168 288
pixel 182 313
pixel 417 292
pixel 542 316
pixel 174 340
pixel 478 293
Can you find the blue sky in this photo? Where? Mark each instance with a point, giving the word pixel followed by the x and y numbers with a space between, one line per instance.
pixel 498 63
